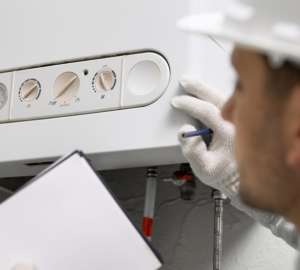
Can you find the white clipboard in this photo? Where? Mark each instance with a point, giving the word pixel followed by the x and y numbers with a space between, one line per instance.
pixel 66 219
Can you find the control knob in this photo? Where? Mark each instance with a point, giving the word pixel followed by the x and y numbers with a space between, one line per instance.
pixel 104 80
pixel 66 86
pixel 30 90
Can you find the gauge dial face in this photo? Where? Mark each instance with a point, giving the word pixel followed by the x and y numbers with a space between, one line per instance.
pixel 3 95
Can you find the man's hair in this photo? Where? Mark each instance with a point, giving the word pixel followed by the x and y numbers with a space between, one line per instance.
pixel 282 80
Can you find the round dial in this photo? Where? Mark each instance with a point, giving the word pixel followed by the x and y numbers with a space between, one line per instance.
pixel 66 86
pixel 3 95
pixel 30 90
pixel 104 80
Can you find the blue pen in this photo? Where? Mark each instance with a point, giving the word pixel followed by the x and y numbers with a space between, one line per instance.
pixel 197 133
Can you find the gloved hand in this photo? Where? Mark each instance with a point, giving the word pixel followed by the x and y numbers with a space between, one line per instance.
pixel 216 165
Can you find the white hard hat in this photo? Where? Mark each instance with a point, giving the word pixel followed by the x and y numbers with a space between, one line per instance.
pixel 268 26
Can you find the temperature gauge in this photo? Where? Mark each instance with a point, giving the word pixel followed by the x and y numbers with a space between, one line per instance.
pixel 3 95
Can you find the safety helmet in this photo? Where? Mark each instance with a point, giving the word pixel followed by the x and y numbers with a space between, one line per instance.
pixel 268 26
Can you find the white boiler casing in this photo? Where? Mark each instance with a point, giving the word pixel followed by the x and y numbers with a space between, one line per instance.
pixel 136 126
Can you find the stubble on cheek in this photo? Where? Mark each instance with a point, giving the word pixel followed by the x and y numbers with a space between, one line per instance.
pixel 243 165
pixel 263 174
pixel 250 149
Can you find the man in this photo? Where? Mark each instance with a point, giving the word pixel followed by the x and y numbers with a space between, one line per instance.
pixel 264 108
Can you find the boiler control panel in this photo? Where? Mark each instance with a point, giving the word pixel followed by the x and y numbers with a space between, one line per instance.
pixel 90 86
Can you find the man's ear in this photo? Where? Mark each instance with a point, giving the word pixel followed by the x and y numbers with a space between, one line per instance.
pixel 292 129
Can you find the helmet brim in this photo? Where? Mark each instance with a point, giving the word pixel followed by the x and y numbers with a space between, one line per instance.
pixel 213 24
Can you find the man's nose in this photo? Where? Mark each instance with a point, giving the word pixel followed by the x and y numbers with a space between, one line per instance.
pixel 227 109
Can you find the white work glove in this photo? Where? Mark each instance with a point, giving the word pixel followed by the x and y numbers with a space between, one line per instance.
pixel 216 165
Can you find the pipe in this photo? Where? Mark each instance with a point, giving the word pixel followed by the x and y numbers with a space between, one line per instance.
pixel 149 202
pixel 218 228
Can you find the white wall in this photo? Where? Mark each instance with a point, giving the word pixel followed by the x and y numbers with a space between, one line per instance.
pixel 183 231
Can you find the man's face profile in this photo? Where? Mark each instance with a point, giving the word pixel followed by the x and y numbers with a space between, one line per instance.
pixel 267 128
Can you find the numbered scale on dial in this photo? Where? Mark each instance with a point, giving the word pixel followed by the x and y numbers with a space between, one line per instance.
pixel 104 80
pixel 30 90
pixel 3 95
